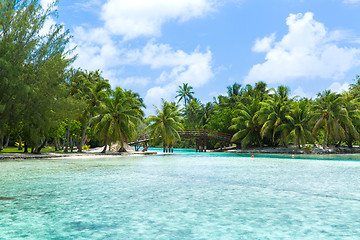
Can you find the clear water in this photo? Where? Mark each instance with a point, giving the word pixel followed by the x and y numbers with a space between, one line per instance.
pixel 181 196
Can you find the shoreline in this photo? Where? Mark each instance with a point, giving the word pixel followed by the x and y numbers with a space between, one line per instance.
pixel 96 154
pixel 293 150
pixel 25 156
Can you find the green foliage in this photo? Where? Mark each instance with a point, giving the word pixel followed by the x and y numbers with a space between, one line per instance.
pixel 185 92
pixel 119 116
pixel 86 147
pixel 308 147
pixel 165 123
pixel 331 115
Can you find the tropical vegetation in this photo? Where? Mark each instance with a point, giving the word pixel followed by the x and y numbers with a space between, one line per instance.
pixel 45 102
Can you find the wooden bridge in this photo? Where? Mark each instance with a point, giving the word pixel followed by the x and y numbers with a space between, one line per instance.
pixel 201 136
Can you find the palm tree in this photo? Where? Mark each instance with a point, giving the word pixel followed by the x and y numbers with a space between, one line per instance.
pixel 273 114
pixel 352 106
pixel 234 92
pixel 298 124
pixel 192 113
pixel 118 118
pixel 247 124
pixel 355 88
pixel 185 92
pixel 166 124
pixel 94 90
pixel 331 115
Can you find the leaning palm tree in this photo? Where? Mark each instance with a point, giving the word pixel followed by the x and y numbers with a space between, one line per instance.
pixel 93 88
pixel 331 116
pixel 118 118
pixel 185 92
pixel 166 124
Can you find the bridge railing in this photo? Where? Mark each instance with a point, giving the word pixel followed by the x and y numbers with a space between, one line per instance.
pixel 195 133
pixel 188 133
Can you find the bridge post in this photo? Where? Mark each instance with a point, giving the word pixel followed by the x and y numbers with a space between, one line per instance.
pixel 205 141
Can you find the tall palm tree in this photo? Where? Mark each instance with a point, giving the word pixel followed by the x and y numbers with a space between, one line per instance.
pixel 166 124
pixel 118 118
pixel 94 90
pixel 185 92
pixel 331 116
pixel 192 113
pixel 273 114
pixel 234 92
pixel 298 125
pixel 247 124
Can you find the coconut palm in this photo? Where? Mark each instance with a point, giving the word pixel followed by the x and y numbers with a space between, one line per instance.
pixel 298 125
pixel 331 116
pixel 185 92
pixel 193 114
pixel 94 89
pixel 234 92
pixel 273 114
pixel 118 118
pixel 166 124
pixel 247 124
pixel 352 106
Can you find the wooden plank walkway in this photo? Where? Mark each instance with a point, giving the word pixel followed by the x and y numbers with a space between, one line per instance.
pixel 201 136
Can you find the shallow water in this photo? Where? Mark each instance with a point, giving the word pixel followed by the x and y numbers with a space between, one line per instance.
pixel 181 196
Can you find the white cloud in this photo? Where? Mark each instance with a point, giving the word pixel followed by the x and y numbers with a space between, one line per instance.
pixel 301 93
pixel 131 81
pixel 155 94
pixel 193 68
pixel 95 49
pixel 47 26
pixel 47 3
pixel 145 17
pixel 265 44
pixel 338 87
pixel 309 50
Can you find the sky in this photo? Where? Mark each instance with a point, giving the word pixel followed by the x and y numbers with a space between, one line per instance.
pixel 154 46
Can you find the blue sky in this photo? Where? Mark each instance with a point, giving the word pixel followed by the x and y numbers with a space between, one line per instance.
pixel 153 46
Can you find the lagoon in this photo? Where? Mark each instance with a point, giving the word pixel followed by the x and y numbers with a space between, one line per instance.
pixel 185 195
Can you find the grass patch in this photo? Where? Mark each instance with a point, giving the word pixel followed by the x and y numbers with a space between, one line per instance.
pixel 15 150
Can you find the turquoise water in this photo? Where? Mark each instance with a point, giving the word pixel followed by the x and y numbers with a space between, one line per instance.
pixel 182 196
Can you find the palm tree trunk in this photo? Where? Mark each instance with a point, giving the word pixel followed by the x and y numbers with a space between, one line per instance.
pixel 71 144
pixel 259 141
pixel 20 144
pixel 67 137
pixel 1 142
pixel 84 136
pixel 43 144
pixel 105 146
pixel 7 141
pixel 324 140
